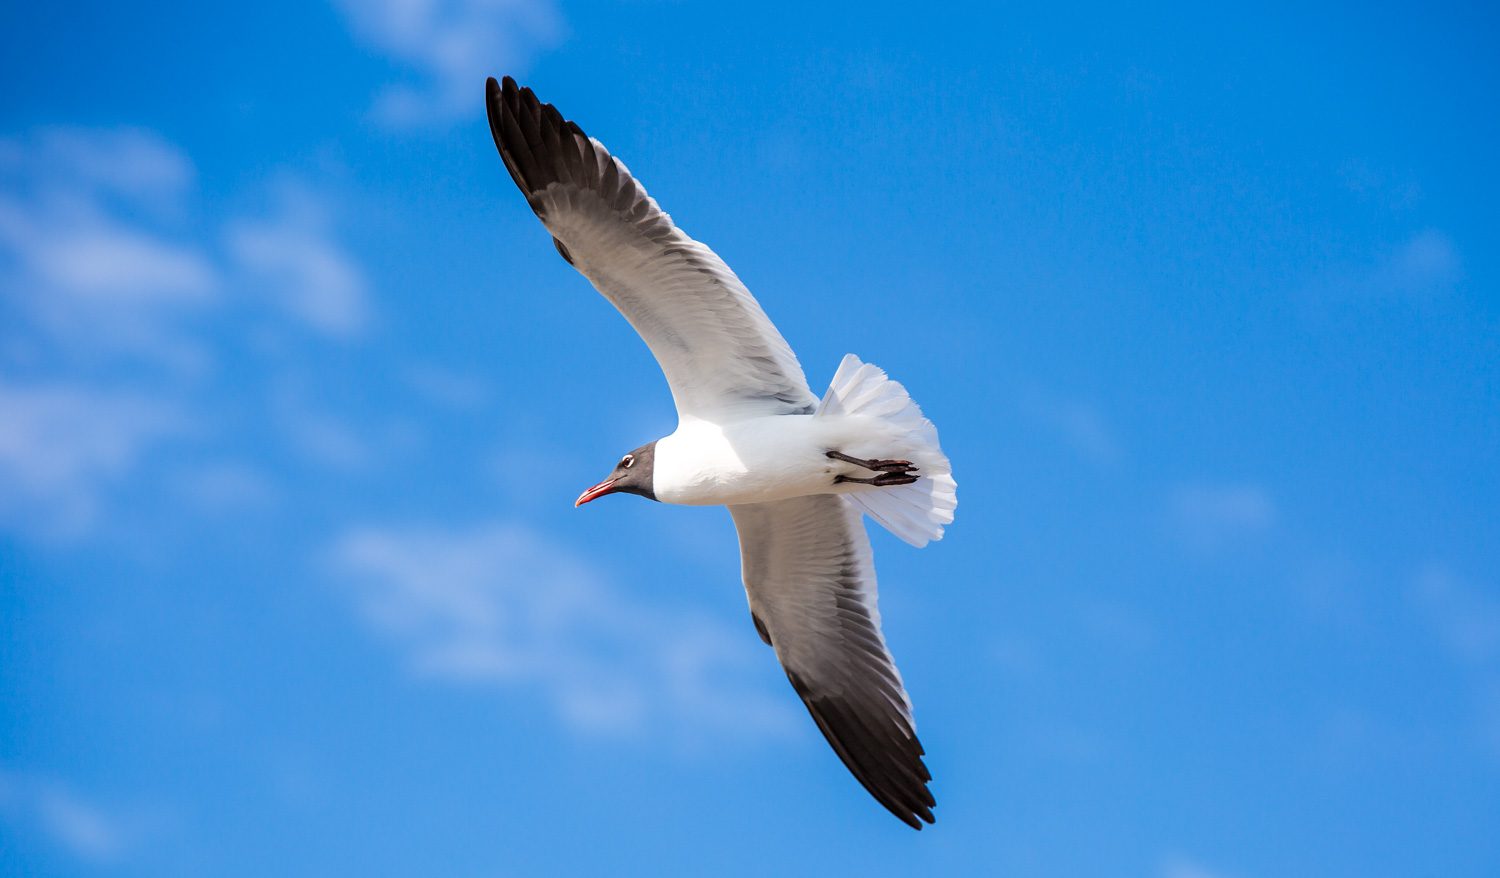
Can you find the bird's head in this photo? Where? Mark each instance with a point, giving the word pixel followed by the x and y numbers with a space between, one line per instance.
pixel 632 475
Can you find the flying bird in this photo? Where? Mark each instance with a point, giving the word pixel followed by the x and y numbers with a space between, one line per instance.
pixel 797 473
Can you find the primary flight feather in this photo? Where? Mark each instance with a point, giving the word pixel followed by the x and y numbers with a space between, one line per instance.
pixel 795 472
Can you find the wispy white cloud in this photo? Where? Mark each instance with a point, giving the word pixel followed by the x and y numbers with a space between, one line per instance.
pixel 78 253
pixel 1116 625
pixel 132 162
pixel 98 275
pixel 1466 619
pixel 1343 734
pixel 1332 590
pixel 333 439
pixel 450 46
pixel 1424 265
pixel 117 291
pixel 225 486
pixel 121 263
pixel 95 259
pixel 1179 866
pixel 1211 517
pixel 446 387
pixel 1081 426
pixel 329 441
pixel 63 446
pixel 102 244
pixel 1384 186
pixel 291 260
pixel 55 811
pixel 499 604
pixel 79 826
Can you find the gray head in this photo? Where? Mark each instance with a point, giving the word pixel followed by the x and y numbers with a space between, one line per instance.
pixel 632 475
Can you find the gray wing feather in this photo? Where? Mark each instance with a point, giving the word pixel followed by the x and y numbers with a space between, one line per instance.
pixel 719 351
pixel 810 577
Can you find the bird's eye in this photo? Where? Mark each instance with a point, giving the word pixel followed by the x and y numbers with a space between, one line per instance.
pixel 627 460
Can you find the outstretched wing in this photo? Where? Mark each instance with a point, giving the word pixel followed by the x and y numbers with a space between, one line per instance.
pixel 810 577
pixel 721 354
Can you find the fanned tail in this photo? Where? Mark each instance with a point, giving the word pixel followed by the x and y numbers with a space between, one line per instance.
pixel 917 512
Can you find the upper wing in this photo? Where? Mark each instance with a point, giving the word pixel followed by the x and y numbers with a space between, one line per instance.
pixel 720 352
pixel 810 578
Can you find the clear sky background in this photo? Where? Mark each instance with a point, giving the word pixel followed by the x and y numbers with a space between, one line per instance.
pixel 295 397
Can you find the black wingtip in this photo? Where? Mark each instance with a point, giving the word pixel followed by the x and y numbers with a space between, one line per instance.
pixel 502 101
pixel 897 779
pixel 494 94
pixel 541 148
pixel 538 144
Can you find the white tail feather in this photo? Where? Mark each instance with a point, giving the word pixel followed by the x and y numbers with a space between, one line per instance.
pixel 917 512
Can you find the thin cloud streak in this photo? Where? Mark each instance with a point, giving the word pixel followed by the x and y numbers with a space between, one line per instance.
pixel 45 806
pixel 1081 426
pixel 1178 866
pixel 451 45
pixel 134 163
pixel 1424 266
pixel 1210 518
pixel 291 258
pixel 62 447
pixel 498 604
pixel 1428 262
pixel 1466 620
pixel 95 259
pixel 115 291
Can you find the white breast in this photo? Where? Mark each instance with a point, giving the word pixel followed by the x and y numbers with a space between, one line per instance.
pixel 748 461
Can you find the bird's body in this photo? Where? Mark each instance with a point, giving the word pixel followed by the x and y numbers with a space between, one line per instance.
pixel 775 457
pixel 796 473
pixel 755 460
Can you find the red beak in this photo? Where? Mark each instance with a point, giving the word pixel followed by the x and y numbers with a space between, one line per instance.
pixel 605 487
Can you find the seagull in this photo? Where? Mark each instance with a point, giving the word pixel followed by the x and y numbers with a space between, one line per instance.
pixel 796 472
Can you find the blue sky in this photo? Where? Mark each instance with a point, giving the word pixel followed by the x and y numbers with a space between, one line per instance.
pixel 295 397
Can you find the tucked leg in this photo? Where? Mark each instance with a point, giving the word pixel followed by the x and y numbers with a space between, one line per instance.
pixel 884 480
pixel 879 466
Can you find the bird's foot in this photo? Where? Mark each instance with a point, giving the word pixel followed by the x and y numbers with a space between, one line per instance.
pixel 898 467
pixel 884 480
